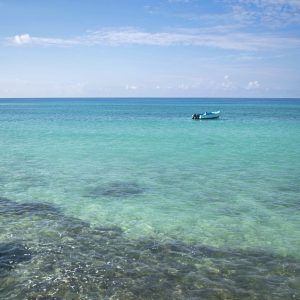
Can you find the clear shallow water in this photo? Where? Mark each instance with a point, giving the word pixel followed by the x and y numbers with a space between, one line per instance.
pixel 205 208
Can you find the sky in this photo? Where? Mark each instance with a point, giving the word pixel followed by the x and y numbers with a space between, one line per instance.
pixel 143 48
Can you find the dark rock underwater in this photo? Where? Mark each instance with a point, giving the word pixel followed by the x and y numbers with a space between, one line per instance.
pixel 45 254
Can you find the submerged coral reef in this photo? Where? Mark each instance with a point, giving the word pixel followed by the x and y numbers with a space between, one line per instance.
pixel 45 254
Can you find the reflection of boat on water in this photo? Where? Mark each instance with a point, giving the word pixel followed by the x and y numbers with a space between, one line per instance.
pixel 206 115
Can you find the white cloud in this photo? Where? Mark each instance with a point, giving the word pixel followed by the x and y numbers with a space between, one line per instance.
pixel 22 39
pixel 183 37
pixel 247 14
pixel 227 83
pixel 272 13
pixel 26 39
pixel 253 85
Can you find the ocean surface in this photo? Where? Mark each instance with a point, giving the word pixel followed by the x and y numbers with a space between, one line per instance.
pixel 132 199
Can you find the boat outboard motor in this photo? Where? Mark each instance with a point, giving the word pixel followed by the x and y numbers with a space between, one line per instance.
pixel 195 116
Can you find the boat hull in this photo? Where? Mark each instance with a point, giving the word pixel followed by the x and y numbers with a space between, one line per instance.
pixel 211 115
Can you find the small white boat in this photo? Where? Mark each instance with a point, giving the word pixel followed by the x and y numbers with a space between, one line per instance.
pixel 206 115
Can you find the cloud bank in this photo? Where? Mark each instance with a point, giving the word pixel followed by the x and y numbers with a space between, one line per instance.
pixel 26 39
pixel 272 13
pixel 187 37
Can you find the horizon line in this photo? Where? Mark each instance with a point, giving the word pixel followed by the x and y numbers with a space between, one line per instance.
pixel 148 97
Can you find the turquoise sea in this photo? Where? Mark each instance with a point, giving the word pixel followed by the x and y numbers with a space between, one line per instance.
pixel 132 199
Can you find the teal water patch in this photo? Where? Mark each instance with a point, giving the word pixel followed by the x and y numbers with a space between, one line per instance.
pixel 60 257
pixel 146 167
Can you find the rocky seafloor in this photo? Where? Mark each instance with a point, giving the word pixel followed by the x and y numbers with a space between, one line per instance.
pixel 45 254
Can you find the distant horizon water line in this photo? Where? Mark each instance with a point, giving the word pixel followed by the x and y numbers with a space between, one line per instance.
pixel 156 97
